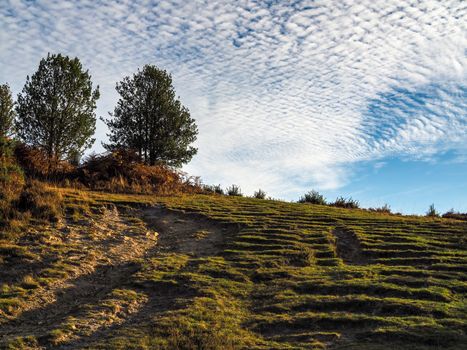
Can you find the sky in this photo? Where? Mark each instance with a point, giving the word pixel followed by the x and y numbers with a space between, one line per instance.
pixel 356 98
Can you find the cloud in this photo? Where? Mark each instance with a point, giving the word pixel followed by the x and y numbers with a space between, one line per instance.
pixel 287 96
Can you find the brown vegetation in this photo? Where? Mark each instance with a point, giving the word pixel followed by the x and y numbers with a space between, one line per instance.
pixel 122 171
pixel 37 164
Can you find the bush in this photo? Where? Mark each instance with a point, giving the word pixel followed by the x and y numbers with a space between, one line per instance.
pixel 260 194
pixel 41 202
pixel 36 163
pixel 11 175
pixel 432 211
pixel 11 184
pixel 213 189
pixel 234 190
pixel 349 203
pixel 451 214
pixel 385 209
pixel 313 197
pixel 122 171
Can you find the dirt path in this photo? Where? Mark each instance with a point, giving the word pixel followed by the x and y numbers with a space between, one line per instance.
pixel 188 233
pixel 76 311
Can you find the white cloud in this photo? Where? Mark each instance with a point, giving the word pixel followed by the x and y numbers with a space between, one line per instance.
pixel 282 93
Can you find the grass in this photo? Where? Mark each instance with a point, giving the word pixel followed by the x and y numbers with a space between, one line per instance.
pixel 278 283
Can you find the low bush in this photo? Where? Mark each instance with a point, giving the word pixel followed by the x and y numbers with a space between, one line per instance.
pixel 342 202
pixel 385 209
pixel 451 214
pixel 122 171
pixel 313 197
pixel 36 164
pixel 260 194
pixel 234 190
pixel 43 203
pixel 11 184
pixel 213 189
pixel 11 175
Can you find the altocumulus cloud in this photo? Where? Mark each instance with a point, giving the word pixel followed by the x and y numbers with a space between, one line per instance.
pixel 286 96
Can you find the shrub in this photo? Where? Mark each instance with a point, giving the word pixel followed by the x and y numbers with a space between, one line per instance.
pixel 385 209
pixel 451 214
pixel 432 211
pixel 11 184
pixel 260 194
pixel 213 189
pixel 122 171
pixel 42 202
pixel 36 163
pixel 234 190
pixel 11 175
pixel 349 203
pixel 313 197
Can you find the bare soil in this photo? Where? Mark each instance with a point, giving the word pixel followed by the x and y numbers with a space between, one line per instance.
pixel 88 304
pixel 348 246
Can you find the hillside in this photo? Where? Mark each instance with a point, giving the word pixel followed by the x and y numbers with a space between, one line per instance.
pixel 218 272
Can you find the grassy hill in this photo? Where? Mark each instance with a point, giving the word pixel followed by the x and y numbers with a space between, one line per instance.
pixel 218 272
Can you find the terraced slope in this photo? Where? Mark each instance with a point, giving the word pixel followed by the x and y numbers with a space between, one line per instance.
pixel 233 273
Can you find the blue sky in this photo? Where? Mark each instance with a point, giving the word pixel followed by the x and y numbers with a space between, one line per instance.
pixel 360 98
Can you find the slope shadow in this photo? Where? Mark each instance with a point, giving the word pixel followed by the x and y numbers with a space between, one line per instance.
pixel 85 289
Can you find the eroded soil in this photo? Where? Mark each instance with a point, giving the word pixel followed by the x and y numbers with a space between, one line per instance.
pixel 99 293
pixel 348 246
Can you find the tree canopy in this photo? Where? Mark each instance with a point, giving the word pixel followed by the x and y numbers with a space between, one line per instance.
pixel 150 120
pixel 56 108
pixel 7 112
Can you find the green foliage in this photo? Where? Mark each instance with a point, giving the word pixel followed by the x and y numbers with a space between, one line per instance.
pixel 385 209
pixel 210 189
pixel 432 211
pixel 150 120
pixel 234 190
pixel 56 109
pixel 451 214
pixel 10 172
pixel 342 202
pixel 7 113
pixel 260 194
pixel 313 197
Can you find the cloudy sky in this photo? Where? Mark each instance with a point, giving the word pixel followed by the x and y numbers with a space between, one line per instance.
pixel 360 98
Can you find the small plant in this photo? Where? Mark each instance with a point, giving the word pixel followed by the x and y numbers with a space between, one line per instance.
pixel 432 211
pixel 313 197
pixel 451 214
pixel 385 209
pixel 342 202
pixel 260 194
pixel 234 190
pixel 210 189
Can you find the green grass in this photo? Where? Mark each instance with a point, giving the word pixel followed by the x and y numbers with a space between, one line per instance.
pixel 279 283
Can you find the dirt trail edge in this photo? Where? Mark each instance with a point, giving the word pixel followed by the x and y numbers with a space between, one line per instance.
pixel 86 307
pixel 348 246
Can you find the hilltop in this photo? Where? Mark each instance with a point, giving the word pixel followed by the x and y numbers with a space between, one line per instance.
pixel 116 271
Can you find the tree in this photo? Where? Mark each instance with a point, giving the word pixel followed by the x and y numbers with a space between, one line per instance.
pixel 7 112
pixel 56 109
pixel 150 120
